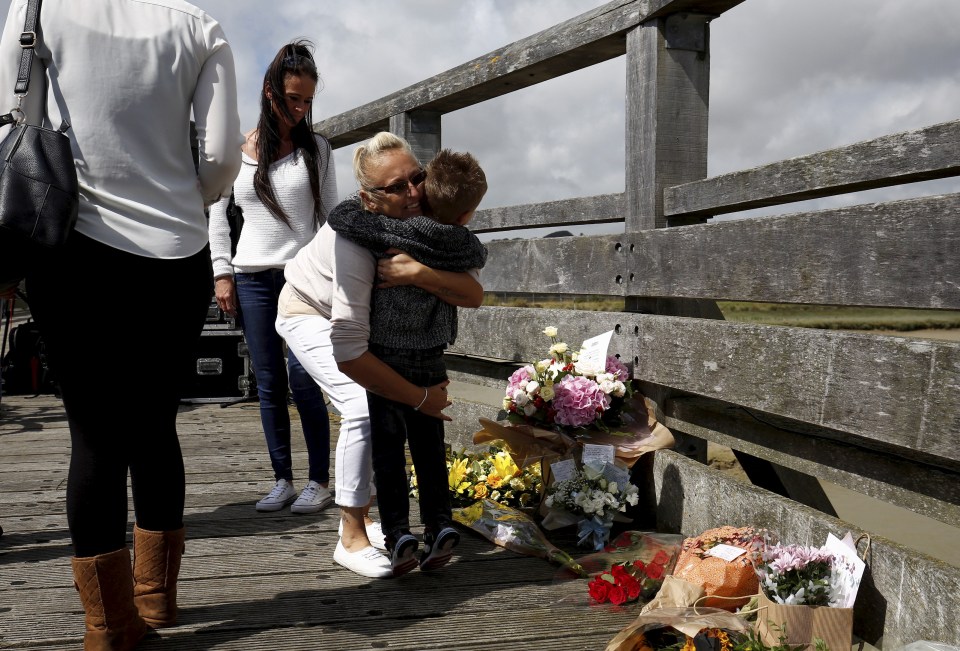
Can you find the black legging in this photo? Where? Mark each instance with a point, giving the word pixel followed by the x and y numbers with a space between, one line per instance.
pixel 121 330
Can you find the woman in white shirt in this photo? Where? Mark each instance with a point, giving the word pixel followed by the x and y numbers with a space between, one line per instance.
pixel 324 315
pixel 286 188
pixel 121 308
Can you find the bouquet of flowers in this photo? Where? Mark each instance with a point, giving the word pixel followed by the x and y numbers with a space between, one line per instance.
pixel 592 499
pixel 514 530
pixel 561 391
pixel 807 593
pixel 722 560
pixel 629 581
pixel 795 575
pixel 490 475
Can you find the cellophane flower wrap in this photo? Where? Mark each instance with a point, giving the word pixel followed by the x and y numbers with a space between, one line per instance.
pixel 718 576
pixel 513 530
pixel 796 575
pixel 490 474
pixel 631 567
pixel 559 392
pixel 590 500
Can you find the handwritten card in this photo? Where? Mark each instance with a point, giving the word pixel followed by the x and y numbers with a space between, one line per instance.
pixel 563 470
pixel 847 549
pixel 726 552
pixel 617 474
pixel 593 353
pixel 600 453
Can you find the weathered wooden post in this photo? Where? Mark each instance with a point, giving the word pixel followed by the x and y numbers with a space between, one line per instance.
pixel 421 129
pixel 668 101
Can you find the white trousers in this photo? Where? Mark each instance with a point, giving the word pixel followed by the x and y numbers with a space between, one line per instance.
pixel 308 336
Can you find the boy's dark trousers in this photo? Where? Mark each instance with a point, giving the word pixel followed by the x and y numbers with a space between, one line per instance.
pixel 392 424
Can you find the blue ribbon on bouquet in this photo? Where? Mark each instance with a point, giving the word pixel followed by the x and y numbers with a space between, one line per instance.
pixel 593 528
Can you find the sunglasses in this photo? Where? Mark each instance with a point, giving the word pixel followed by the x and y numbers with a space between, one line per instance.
pixel 403 186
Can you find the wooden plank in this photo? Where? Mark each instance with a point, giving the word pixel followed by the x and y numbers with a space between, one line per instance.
pixel 905 597
pixel 896 254
pixel 599 209
pixel 559 265
pixel 885 391
pixel 583 41
pixel 919 155
pixel 924 489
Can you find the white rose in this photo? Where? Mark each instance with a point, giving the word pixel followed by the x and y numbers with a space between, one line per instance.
pixel 547 392
pixel 532 387
pixel 550 331
pixel 520 398
pixel 558 349
pixel 607 387
pixel 619 389
pixel 529 409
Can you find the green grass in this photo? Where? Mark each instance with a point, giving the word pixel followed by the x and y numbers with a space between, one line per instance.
pixel 827 317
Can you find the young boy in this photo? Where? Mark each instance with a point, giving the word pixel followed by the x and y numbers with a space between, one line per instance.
pixel 409 330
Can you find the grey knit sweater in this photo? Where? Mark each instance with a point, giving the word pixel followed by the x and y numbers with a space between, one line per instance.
pixel 408 317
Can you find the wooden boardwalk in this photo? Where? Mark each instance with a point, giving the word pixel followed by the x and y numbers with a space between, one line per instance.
pixel 266 581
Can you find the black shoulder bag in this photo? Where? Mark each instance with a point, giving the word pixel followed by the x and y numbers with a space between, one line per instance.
pixel 38 179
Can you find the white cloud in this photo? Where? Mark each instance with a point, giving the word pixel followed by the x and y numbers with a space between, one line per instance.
pixel 788 78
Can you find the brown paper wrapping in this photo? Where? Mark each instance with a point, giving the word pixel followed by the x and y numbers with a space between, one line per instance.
pixel 804 624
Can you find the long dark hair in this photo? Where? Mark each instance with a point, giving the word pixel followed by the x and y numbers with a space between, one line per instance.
pixel 293 59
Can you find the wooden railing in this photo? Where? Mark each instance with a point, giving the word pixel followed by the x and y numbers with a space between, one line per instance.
pixel 876 414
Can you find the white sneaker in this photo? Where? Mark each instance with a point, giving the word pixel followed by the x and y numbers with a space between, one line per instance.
pixel 374 535
pixel 366 562
pixel 281 495
pixel 313 498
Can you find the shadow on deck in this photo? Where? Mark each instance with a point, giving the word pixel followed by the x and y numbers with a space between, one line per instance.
pixel 266 581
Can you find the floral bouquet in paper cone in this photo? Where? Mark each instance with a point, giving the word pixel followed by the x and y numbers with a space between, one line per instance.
pixel 722 560
pixel 513 530
pixel 559 403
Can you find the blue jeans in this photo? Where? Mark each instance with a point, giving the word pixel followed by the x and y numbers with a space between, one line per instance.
pixel 391 425
pixel 257 295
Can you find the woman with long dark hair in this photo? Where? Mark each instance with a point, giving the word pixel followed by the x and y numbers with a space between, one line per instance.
pixel 285 188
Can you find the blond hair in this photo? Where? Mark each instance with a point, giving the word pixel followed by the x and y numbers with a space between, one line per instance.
pixel 367 154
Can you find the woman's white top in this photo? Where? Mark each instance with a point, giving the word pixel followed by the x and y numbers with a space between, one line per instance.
pixel 265 241
pixel 128 75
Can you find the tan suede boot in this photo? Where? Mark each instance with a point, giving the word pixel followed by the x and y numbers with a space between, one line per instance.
pixel 105 584
pixel 156 565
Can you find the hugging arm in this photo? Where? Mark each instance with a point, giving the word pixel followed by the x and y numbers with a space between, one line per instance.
pixel 456 288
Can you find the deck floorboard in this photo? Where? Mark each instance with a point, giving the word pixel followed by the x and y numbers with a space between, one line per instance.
pixel 267 580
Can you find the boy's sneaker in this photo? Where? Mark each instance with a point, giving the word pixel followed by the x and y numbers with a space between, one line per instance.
pixel 313 498
pixel 403 556
pixel 281 495
pixel 438 550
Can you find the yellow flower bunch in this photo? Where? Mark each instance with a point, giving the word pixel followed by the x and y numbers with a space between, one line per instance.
pixel 492 474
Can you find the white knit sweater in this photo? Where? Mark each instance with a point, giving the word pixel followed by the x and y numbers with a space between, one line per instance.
pixel 265 241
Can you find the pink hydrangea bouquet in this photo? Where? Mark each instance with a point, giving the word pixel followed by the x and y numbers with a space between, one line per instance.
pixel 560 392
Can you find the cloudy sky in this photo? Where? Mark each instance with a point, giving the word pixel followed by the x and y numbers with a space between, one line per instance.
pixel 789 77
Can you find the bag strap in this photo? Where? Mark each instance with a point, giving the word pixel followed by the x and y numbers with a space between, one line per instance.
pixel 28 41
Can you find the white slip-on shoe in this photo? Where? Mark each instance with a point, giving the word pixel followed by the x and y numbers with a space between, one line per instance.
pixel 365 562
pixel 282 494
pixel 313 498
